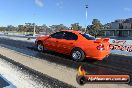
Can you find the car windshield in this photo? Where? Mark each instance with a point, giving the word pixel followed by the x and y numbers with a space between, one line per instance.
pixel 88 36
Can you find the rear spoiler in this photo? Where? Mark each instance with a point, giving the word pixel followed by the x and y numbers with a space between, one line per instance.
pixel 102 40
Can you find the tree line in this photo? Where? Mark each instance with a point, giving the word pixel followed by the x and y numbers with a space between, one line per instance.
pixel 93 29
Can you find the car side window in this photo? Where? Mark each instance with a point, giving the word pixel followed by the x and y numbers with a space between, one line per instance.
pixel 58 35
pixel 70 36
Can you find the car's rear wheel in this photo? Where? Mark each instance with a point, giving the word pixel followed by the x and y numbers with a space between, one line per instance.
pixel 40 47
pixel 77 54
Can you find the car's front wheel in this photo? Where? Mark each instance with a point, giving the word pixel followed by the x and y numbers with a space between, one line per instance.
pixel 77 54
pixel 40 47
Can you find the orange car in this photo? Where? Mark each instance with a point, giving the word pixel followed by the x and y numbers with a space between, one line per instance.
pixel 78 45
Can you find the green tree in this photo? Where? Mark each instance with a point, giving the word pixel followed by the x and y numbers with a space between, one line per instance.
pixel 10 28
pixel 29 27
pixel 21 28
pixel 95 28
pixel 76 26
pixel 58 27
pixel 61 27
pixel 2 28
pixel 43 28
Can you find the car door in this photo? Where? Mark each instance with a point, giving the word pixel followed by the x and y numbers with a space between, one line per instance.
pixel 68 42
pixel 52 42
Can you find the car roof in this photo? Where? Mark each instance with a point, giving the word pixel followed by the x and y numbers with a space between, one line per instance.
pixel 73 31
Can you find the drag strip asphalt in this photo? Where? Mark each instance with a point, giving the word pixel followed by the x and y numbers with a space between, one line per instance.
pixel 114 64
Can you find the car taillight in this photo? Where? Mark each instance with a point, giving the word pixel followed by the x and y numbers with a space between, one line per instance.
pixel 100 47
